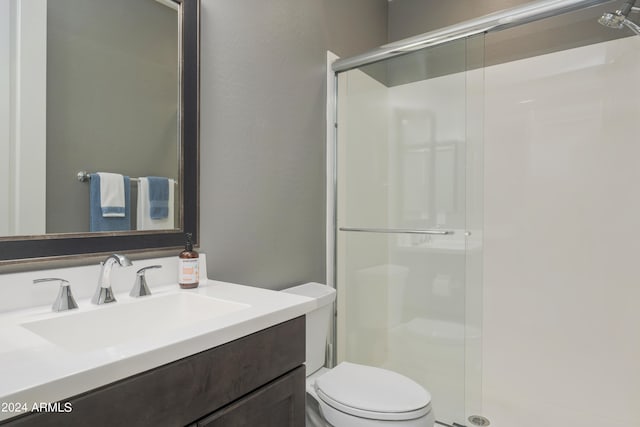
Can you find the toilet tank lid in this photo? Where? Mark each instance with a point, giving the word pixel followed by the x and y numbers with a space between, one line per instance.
pixel 323 293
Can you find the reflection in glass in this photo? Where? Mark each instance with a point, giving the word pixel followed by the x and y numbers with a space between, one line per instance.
pixel 407 152
pixel 103 95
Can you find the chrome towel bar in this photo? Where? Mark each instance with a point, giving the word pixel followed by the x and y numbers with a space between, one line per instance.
pixel 84 176
pixel 397 230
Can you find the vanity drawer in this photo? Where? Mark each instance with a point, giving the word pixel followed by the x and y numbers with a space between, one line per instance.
pixel 280 403
pixel 189 389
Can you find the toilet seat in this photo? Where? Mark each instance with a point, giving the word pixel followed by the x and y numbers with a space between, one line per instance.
pixel 372 393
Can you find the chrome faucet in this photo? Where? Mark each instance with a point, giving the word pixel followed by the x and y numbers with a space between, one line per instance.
pixel 104 293
pixel 140 288
pixel 64 300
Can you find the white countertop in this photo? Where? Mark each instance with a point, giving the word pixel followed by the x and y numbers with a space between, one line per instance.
pixel 34 370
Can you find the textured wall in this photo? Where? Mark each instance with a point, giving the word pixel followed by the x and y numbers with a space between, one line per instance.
pixel 262 197
pixel 410 17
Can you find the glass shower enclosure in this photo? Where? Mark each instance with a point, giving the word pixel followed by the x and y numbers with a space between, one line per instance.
pixel 408 258
pixel 409 219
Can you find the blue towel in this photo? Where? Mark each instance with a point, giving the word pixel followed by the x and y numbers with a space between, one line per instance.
pixel 158 197
pixel 97 221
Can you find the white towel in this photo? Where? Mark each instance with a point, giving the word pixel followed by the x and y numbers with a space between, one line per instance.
pixel 111 194
pixel 143 217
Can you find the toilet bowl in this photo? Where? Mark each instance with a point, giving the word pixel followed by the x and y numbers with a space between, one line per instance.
pixel 354 395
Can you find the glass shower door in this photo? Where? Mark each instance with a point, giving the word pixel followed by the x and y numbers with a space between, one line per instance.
pixel 409 220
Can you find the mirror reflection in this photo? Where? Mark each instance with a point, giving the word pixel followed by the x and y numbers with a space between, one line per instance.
pixel 89 86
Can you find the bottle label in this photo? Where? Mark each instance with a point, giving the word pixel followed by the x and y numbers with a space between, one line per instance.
pixel 188 271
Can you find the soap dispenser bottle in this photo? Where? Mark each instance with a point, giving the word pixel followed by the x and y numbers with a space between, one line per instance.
pixel 188 266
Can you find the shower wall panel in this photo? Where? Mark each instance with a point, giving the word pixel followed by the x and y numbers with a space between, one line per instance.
pixel 363 120
pixel 561 291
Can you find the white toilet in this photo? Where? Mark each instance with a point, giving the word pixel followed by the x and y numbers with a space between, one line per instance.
pixel 352 395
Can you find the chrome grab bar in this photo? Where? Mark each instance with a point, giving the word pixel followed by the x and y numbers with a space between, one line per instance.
pixel 398 231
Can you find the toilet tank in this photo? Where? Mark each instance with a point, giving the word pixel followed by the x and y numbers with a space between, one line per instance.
pixel 317 322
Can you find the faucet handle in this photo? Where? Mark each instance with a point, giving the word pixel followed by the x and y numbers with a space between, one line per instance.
pixel 140 288
pixel 64 301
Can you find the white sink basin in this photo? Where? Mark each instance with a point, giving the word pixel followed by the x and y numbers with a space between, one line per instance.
pixel 120 322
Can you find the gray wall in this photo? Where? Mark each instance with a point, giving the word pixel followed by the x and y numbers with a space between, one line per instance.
pixel 112 92
pixel 410 17
pixel 262 160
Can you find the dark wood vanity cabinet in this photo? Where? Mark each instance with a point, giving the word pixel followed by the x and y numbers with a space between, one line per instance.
pixel 257 380
pixel 274 405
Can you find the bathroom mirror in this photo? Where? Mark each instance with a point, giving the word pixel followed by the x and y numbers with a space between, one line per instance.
pixel 96 86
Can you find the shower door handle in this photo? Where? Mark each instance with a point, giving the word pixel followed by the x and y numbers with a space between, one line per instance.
pixel 398 231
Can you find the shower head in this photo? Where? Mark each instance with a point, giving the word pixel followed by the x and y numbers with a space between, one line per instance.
pixel 612 20
pixel 618 19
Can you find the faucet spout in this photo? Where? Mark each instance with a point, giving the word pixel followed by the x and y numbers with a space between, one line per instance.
pixel 104 293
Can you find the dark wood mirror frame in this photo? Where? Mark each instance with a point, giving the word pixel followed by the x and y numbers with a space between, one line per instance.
pixel 19 249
